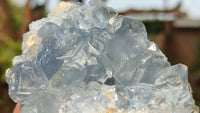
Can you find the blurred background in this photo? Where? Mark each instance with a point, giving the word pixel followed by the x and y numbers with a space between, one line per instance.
pixel 173 24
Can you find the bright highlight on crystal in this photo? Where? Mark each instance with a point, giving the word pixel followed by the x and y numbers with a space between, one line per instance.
pixel 89 59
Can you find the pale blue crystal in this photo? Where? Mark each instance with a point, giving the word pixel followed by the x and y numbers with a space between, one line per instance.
pixel 88 59
pixel 25 78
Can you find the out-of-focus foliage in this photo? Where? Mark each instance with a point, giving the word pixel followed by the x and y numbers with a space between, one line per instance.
pixel 153 27
pixel 10 46
pixel 195 69
pixel 8 49
pixel 17 14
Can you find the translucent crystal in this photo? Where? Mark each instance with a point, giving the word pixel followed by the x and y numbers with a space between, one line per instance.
pixel 88 59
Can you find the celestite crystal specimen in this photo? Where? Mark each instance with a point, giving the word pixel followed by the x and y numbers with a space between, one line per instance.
pixel 88 59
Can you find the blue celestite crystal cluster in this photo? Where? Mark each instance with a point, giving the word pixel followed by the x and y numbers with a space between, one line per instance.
pixel 89 59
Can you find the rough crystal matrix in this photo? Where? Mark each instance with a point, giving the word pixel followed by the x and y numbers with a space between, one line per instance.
pixel 88 59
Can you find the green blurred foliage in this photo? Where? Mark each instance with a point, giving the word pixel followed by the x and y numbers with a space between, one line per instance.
pixel 1 102
pixel 9 46
pixel 195 69
pixel 8 49
pixel 153 27
pixel 17 15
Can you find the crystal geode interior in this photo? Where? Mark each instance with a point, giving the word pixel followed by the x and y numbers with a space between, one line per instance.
pixel 89 59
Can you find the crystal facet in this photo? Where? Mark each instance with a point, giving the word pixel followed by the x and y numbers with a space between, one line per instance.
pixel 89 59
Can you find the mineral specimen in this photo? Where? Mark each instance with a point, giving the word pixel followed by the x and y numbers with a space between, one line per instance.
pixel 89 59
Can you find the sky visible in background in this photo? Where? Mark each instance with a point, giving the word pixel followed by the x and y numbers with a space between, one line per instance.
pixel 191 7
pixel 142 4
